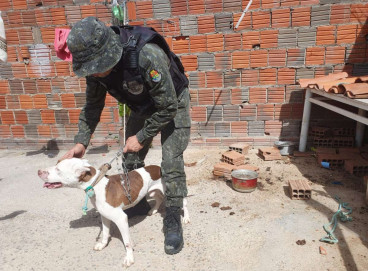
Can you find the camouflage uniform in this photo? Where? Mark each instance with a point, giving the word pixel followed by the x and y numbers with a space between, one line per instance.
pixel 171 119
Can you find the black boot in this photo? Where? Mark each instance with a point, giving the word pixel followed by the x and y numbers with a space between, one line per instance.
pixel 141 208
pixel 173 231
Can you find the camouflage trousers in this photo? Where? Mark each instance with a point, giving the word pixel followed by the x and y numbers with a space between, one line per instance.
pixel 174 141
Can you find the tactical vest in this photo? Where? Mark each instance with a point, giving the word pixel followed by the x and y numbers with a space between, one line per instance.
pixel 125 82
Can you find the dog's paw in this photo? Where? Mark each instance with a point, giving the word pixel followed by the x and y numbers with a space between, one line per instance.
pixel 128 260
pixel 99 246
pixel 186 219
pixel 152 212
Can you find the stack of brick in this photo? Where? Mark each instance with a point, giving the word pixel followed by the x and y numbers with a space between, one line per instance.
pixel 332 137
pixel 269 153
pixel 233 158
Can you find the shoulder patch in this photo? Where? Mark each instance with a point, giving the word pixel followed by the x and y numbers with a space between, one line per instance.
pixel 155 76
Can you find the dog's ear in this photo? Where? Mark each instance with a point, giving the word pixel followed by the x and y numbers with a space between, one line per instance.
pixel 85 163
pixel 82 171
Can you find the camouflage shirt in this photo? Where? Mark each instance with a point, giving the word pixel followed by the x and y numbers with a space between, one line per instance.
pixel 162 92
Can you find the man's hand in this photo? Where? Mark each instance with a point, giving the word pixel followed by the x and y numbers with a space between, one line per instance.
pixel 132 145
pixel 77 151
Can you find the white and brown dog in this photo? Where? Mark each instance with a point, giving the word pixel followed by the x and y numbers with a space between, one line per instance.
pixel 110 198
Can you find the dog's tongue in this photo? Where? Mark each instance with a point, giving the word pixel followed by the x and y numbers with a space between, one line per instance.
pixel 51 185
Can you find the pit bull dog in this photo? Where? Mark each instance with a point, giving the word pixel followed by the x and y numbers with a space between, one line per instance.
pixel 109 197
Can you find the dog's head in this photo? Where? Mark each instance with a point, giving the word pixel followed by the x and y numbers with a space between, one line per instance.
pixel 67 172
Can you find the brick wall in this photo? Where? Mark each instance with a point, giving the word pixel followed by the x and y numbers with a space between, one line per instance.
pixel 242 82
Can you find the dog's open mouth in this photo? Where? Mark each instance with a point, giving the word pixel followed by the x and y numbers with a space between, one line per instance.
pixel 52 185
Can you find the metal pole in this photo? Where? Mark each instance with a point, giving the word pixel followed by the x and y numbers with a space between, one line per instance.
pixel 359 132
pixel 305 121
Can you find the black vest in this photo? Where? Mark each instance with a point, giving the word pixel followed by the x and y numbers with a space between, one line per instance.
pixel 125 82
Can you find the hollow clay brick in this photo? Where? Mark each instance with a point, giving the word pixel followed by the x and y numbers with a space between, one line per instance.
pixel 241 148
pixel 300 189
pixel 269 153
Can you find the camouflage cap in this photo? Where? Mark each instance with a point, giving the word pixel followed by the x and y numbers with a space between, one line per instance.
pixel 94 46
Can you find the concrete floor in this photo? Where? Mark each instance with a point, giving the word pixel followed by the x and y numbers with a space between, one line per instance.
pixel 44 229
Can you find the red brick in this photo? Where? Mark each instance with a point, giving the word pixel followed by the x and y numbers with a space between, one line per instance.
pixel 248 111
pixel 2 102
pixel 269 38
pixel 7 117
pixel 21 117
pixel 261 19
pixel 48 34
pixel 12 37
pixel 267 76
pixel 250 77
pixel 335 55
pixel 5 131
pixel 58 16
pixel 44 131
pixel 199 113
pixel 236 96
pixel 359 13
pixel 340 14
pixel 155 24
pixel 181 45
pixel 74 115
pixel 48 116
pixel 346 33
pixel 258 58
pixel 222 61
pixel 206 24
pixel 257 95
pixel 283 111
pixel 265 111
pixel 251 39
pixel 214 79
pixel 273 127
pixel 270 4
pixel 362 32
pixel 196 6
pixel 190 62
pixel 300 16
pixel 277 57
pixel 26 102
pixel 12 101
pixel 289 3
pixel 62 68
pixel 285 76
pixel 245 24
pixel 276 95
pixel 205 97
pixel 233 42
pixel 178 7
pixel 131 10
pixel 68 100
pixel 256 4
pixel 239 128
pixel 281 18
pixel 12 54
pixel 222 96
pixel 19 4
pixel 40 101
pixel 106 116
pixel 215 42
pixel 17 131
pixel 212 6
pixel 315 56
pixel 198 44
pixel 240 59
pixel 5 5
pixel 4 87
pixel 171 27
pixel 297 111
pixel 326 35
pixel 144 9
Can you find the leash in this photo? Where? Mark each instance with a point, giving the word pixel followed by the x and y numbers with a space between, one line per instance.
pixel 331 238
pixel 103 169
pixel 90 192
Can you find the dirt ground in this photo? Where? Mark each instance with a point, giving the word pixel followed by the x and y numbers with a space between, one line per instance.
pixel 44 229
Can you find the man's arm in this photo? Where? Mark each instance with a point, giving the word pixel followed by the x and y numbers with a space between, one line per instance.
pixel 155 66
pixel 91 112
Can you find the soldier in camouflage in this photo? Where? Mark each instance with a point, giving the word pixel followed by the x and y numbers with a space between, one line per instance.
pixel 99 54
